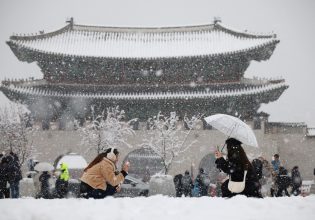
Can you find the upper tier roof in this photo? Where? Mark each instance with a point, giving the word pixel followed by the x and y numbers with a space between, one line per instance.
pixel 148 43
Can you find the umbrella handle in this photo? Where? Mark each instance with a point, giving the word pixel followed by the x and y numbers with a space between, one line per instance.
pixel 222 147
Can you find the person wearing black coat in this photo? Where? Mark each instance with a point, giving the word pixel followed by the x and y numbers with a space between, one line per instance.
pixel 14 175
pixel 235 166
pixel 258 167
pixel 187 184
pixel 202 183
pixel 283 181
pixel 178 185
pixel 44 182
pixel 296 181
pixel 3 177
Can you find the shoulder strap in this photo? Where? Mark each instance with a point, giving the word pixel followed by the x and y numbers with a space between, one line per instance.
pixel 245 172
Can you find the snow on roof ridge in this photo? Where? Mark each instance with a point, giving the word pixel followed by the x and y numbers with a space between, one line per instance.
pixel 151 95
pixel 153 29
pixel 247 33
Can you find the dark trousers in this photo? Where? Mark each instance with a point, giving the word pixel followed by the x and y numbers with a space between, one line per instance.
pixel 4 192
pixel 179 191
pixel 280 192
pixel 61 188
pixel 86 191
pixel 45 193
pixel 187 192
pixel 296 190
pixel 272 192
pixel 15 190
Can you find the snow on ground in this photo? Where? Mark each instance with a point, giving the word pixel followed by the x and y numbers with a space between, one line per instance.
pixel 160 208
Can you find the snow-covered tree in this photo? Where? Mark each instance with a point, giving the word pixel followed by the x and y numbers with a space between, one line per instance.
pixel 107 130
pixel 166 139
pixel 14 131
pixel 192 123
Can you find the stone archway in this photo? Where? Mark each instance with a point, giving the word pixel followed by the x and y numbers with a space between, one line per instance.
pixel 208 164
pixel 144 163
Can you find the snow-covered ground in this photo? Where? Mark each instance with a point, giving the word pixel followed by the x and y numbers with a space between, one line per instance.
pixel 160 208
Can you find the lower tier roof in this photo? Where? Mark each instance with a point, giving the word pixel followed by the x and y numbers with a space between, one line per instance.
pixel 105 94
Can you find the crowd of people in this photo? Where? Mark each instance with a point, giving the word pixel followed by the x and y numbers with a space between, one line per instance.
pixel 100 178
pixel 257 178
pixel 275 179
pixel 11 175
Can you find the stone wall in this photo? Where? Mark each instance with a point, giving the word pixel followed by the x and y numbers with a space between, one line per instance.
pixel 294 149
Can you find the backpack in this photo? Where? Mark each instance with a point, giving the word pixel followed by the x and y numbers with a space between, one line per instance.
pixel 257 165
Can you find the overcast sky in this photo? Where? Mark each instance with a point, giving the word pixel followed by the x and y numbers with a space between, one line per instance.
pixel 292 20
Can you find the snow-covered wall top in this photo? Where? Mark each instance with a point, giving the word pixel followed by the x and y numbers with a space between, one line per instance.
pixel 167 42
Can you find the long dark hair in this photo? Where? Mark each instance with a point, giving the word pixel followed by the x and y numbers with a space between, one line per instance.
pixel 100 157
pixel 237 154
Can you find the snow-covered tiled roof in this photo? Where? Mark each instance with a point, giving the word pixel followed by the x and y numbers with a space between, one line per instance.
pixel 150 43
pixel 32 91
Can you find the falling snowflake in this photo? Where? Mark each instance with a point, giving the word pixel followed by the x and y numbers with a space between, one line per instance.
pixel 192 84
pixel 159 73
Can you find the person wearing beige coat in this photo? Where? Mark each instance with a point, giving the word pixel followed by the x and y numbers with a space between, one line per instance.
pixel 100 178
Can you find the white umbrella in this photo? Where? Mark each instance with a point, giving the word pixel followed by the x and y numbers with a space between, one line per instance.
pixel 233 127
pixel 73 160
pixel 44 166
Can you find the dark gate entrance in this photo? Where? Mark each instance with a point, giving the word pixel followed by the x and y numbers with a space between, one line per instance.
pixel 144 163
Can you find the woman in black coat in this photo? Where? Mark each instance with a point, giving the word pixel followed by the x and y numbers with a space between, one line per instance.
pixel 235 165
pixel 296 181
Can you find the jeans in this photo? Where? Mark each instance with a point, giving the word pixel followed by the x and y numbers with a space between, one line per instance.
pixel 15 190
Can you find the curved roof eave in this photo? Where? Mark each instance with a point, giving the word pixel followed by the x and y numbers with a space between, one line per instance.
pixel 21 56
pixel 40 35
pixel 188 28
pixel 16 40
pixel 245 33
pixel 279 88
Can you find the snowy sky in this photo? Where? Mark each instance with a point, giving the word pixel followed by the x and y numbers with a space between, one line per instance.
pixel 292 20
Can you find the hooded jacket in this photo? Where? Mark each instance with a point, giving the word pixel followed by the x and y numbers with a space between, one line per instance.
pixel 102 173
pixel 64 172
